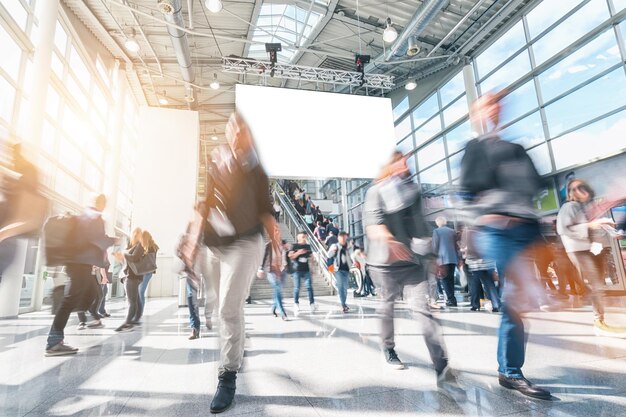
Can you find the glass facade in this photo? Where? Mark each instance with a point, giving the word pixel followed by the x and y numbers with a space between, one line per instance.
pixel 78 141
pixel 564 62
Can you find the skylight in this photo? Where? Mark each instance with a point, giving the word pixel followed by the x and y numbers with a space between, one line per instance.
pixel 287 24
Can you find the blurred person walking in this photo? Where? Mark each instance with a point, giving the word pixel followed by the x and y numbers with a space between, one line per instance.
pixel 339 255
pixel 238 209
pixel 133 254
pixel 275 277
pixel 503 179
pixel 398 263
pixel 96 287
pixel 86 246
pixel 148 268
pixel 300 254
pixel 445 248
pixel 585 242
pixel 480 273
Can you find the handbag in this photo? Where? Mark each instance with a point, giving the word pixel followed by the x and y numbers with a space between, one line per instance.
pixel 146 265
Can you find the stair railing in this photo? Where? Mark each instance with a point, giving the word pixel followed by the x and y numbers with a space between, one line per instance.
pixel 295 223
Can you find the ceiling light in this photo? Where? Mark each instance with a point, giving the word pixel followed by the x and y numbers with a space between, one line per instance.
pixel 410 85
pixel 131 42
pixel 214 6
pixel 214 136
pixel 163 101
pixel 390 34
pixel 215 84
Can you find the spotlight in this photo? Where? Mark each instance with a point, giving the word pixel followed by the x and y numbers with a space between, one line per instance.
pixel 214 136
pixel 214 6
pixel 163 101
pixel 410 85
pixel 390 34
pixel 215 84
pixel 131 43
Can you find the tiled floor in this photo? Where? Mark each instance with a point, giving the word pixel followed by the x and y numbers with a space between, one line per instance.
pixel 326 364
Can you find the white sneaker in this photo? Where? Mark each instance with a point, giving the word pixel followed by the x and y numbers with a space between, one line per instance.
pixel 296 310
pixel 81 326
pixel 313 308
pixel 602 329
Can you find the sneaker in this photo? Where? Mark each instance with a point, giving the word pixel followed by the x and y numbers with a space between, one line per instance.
pixel 346 309
pixel 449 385
pixel 296 310
pixel 124 328
pixel 602 329
pixel 61 349
pixel 392 359
pixel 195 334
pixel 313 308
pixel 435 306
pixel 96 324
pixel 81 326
pixel 209 324
pixel 136 323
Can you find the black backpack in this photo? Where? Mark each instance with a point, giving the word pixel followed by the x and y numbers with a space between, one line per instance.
pixel 60 239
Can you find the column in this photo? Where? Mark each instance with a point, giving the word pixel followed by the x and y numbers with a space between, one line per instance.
pixel 344 205
pixel 471 95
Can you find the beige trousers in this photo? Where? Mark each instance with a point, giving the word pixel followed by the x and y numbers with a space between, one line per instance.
pixel 231 270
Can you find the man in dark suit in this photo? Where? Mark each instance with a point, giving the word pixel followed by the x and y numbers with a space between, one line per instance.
pixel 444 246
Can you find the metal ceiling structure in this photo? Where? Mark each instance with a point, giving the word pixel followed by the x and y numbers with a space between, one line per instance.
pixel 451 30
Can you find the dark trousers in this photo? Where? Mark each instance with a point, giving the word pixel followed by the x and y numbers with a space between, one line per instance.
pixel 96 289
pixel 392 281
pixel 132 293
pixel 75 298
pixel 481 283
pixel 102 307
pixel 447 282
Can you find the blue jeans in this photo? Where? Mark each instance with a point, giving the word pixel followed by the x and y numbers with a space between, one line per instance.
pixel 277 284
pixel 343 282
pixel 194 308
pixel 297 278
pixel 479 279
pixel 142 295
pixel 517 277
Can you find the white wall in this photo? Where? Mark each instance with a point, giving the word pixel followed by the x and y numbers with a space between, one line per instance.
pixel 165 184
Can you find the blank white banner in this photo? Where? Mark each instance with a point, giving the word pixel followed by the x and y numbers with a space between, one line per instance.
pixel 310 134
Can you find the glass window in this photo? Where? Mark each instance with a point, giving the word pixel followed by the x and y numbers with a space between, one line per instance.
pixel 17 12
pixel 7 92
pixel 591 59
pixel 459 136
pixel 69 156
pixel 452 89
pixel 519 102
pixel 424 111
pixel 57 66
pixel 67 186
pixel 434 176
pixel 93 177
pixel 541 159
pixel 577 25
pixel 60 39
pixel 430 154
pixel 102 70
pixel 27 84
pixel 527 132
pixel 587 103
pixel 48 138
pixel 457 110
pixel 509 43
pixel 403 129
pixel 619 5
pixel 76 92
pixel 428 130
pixel 455 165
pixel 52 102
pixel 83 75
pixel 406 145
pixel 546 13
pixel 401 108
pixel 598 139
pixel 510 72
pixel 11 54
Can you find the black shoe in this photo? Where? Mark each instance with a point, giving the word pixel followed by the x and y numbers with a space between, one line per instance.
pixel 223 398
pixel 451 304
pixel 274 312
pixel 475 308
pixel 249 300
pixel 392 359
pixel 524 386
pixel 495 310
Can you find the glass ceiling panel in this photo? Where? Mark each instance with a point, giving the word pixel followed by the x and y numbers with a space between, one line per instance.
pixel 285 24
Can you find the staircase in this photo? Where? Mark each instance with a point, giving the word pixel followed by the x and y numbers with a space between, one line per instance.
pixel 262 290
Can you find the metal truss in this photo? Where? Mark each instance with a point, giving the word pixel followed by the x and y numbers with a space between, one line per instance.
pixel 308 74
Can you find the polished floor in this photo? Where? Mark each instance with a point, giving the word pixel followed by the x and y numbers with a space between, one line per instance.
pixel 317 365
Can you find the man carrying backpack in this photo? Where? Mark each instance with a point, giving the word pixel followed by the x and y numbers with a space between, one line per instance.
pixel 87 244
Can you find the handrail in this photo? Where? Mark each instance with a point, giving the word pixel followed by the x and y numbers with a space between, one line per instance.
pixel 296 223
